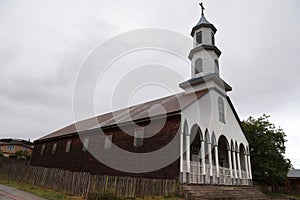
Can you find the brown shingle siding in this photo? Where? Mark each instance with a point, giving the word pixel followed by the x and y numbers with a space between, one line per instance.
pixel 79 160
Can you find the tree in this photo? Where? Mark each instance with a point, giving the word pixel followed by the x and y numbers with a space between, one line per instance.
pixel 267 151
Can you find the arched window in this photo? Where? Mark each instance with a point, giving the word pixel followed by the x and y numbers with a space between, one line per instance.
pixel 138 137
pixel 43 149
pixel 213 38
pixel 54 148
pixel 217 66
pixel 199 37
pixel 198 66
pixel 68 146
pixel 221 110
pixel 85 144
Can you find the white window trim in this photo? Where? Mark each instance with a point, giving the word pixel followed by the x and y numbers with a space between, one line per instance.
pixel 68 146
pixel 108 141
pixel 11 147
pixel 198 68
pixel 85 143
pixel 43 149
pixel 138 133
pixel 54 148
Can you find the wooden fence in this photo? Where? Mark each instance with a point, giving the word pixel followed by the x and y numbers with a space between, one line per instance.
pixel 88 185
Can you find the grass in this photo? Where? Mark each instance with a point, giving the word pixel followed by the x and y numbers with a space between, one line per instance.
pixel 54 195
pixel 39 191
pixel 161 198
pixel 281 195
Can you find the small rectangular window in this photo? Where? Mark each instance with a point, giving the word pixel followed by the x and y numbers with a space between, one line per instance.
pixel 199 37
pixel 85 143
pixel 108 141
pixel 68 145
pixel 54 148
pixel 24 148
pixel 138 137
pixel 43 149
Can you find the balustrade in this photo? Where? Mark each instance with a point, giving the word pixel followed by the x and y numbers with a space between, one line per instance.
pixel 196 175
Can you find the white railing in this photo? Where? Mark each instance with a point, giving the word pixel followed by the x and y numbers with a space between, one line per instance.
pixel 225 178
pixel 184 166
pixel 215 178
pixel 207 170
pixel 196 175
pixel 244 179
pixel 184 170
pixel 196 171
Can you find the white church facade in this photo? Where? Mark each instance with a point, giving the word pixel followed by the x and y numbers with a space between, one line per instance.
pixel 219 150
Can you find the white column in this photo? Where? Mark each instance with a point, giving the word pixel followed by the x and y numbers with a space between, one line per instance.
pixel 249 164
pixel 234 164
pixel 188 164
pixel 203 157
pixel 246 165
pixel 217 161
pixel 181 157
pixel 239 166
pixel 217 164
pixel 230 163
pixel 210 163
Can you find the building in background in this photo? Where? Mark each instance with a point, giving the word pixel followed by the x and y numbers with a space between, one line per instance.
pixel 10 147
pixel 294 181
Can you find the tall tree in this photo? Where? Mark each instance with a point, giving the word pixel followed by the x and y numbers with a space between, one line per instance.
pixel 267 149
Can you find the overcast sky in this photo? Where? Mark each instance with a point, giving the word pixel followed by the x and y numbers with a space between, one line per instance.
pixel 43 44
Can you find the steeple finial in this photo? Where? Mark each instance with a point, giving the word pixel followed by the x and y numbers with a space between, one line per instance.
pixel 202 8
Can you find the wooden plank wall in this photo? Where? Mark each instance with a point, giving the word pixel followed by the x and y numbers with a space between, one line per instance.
pixel 88 185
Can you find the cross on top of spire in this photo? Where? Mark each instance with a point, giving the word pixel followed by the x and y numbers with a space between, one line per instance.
pixel 202 8
pixel 203 22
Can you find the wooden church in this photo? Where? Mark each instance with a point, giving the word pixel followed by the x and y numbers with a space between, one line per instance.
pixel 200 142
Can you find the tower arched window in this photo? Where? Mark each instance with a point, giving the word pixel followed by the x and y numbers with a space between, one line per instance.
pixel 217 66
pixel 199 37
pixel 221 110
pixel 213 38
pixel 198 66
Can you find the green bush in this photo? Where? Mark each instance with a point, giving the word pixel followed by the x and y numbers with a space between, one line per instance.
pixel 19 154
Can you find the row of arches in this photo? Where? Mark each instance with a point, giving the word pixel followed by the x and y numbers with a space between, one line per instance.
pixel 215 157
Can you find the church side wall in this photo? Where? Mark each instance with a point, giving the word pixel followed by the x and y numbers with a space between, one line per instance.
pixel 79 160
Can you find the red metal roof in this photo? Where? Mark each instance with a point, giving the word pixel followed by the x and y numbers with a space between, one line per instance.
pixel 163 106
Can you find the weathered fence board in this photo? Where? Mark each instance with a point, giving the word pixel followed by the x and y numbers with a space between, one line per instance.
pixel 88 185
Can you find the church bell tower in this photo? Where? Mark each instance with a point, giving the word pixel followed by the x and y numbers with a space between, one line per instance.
pixel 204 56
